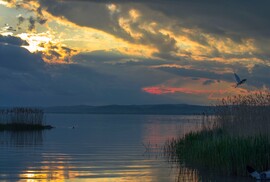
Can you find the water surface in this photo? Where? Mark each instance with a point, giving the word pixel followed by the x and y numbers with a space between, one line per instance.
pixel 96 148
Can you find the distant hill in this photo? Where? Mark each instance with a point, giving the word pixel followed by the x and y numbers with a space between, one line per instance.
pixel 162 109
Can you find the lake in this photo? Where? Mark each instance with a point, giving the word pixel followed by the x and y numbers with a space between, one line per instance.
pixel 98 148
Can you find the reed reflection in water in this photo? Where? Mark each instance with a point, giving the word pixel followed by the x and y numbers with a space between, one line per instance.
pixel 193 174
pixel 21 138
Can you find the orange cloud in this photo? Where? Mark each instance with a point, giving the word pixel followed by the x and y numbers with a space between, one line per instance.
pixel 215 91
pixel 207 92
pixel 159 90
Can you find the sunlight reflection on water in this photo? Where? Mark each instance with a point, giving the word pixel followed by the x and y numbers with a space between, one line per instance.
pixel 100 148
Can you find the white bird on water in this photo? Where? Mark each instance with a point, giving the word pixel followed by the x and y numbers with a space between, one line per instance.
pixel 238 80
pixel 265 175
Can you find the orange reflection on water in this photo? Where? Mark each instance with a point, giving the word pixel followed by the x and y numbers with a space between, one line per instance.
pixel 56 169
pixel 157 132
pixel 130 173
pixel 106 176
pixel 59 170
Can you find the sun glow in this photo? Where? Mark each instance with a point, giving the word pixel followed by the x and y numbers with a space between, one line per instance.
pixel 2 2
pixel 35 41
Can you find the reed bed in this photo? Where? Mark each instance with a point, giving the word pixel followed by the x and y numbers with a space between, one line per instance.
pixel 244 115
pixel 236 136
pixel 20 118
pixel 21 115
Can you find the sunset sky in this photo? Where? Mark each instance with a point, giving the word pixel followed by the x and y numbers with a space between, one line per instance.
pixel 94 52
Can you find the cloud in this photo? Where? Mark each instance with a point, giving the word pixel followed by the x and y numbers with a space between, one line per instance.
pixel 212 72
pixel 258 76
pixel 158 90
pixel 21 20
pixel 176 29
pixel 196 73
pixel 125 23
pixel 14 57
pixel 113 57
pixel 220 17
pixel 12 40
pixel 56 53
pixel 189 42
pixel 208 82
pixel 32 23
pixel 173 29
pixel 26 79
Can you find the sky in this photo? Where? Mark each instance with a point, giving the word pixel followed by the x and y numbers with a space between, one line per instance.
pixel 94 52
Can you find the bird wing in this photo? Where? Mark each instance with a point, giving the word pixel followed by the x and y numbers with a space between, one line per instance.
pixel 237 78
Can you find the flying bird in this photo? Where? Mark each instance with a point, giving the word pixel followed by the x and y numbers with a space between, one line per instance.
pixel 258 176
pixel 238 80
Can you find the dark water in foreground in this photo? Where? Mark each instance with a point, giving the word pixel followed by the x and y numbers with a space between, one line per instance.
pixel 99 148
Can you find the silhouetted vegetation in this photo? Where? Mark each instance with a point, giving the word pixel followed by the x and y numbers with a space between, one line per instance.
pixel 22 119
pixel 244 115
pixel 237 135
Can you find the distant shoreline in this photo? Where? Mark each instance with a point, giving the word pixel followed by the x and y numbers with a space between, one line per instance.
pixel 166 109
pixel 197 114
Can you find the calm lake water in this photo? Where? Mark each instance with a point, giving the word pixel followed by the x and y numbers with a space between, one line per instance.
pixel 98 148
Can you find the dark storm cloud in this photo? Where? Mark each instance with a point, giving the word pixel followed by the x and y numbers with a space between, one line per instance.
pixel 97 15
pixel 113 57
pixel 256 76
pixel 259 76
pixel 17 58
pixel 164 43
pixel 32 23
pixel 27 80
pixel 12 40
pixel 41 20
pixel 92 80
pixel 21 19
pixel 236 20
pixel 100 56
pixel 145 68
pixel 132 69
pixel 216 16
pixel 196 73
pixel 208 82
pixel 87 14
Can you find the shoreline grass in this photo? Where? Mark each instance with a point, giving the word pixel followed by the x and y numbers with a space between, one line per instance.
pixel 222 153
pixel 238 135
